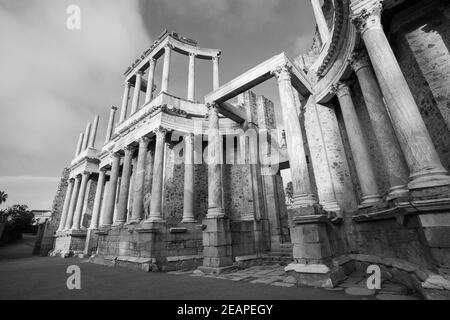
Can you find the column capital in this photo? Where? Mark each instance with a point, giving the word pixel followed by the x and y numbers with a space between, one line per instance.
pixel 71 180
pixel 85 173
pixel 213 110
pixel 359 59
pixel 129 150
pixel 113 108
pixel 160 132
pixel 282 72
pixel 189 135
pixel 143 140
pixel 367 16
pixel 168 46
pixel 192 54
pixel 127 84
pixel 152 61
pixel 114 154
pixel 215 58
pixel 341 89
pixel 139 73
pixel 104 170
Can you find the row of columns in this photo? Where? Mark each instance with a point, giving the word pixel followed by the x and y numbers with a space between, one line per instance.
pixel 87 139
pixel 73 205
pixel 400 129
pixel 164 81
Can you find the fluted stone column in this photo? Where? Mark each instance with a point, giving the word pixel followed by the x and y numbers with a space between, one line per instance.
pixel 79 144
pixel 136 93
pixel 93 134
pixel 66 204
pixel 86 137
pixel 125 98
pixel 188 203
pixel 150 80
pixel 98 200
pixel 321 21
pixel 166 68
pixel 121 217
pixel 215 191
pixel 215 61
pixel 111 196
pixel 303 194
pixel 191 77
pixel 137 213
pixel 109 130
pixel 384 133
pixel 425 167
pixel 360 152
pixel 79 208
pixel 73 202
pixel 157 184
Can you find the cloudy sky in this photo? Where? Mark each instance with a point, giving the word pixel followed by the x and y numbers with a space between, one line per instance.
pixel 54 80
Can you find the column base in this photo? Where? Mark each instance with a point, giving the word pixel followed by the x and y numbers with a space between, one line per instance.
pixel 215 213
pixel 370 200
pixel 154 220
pixel 304 200
pixel 133 221
pixel 188 220
pixel 118 223
pixel 316 275
pixel 332 206
pixel 397 192
pixel 429 179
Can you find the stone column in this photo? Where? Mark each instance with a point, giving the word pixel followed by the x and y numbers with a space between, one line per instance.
pixel 93 134
pixel 321 21
pixel 215 61
pixel 125 98
pixel 191 77
pixel 79 144
pixel 86 137
pixel 79 208
pixel 384 133
pixel 109 130
pixel 136 93
pixel 360 152
pixel 425 167
pixel 73 202
pixel 65 209
pixel 111 198
pixel 121 217
pixel 303 194
pixel 137 213
pixel 215 198
pixel 157 184
pixel 98 200
pixel 166 68
pixel 188 204
pixel 150 81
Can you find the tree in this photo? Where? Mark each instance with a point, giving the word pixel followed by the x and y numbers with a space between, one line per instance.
pixel 3 196
pixel 19 218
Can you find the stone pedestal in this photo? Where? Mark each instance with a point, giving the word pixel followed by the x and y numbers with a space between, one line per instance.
pixel 69 243
pixel 217 249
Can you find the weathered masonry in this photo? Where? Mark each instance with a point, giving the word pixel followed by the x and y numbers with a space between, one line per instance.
pixel 365 134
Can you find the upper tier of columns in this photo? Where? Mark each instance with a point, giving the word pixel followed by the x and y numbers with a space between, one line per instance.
pixel 87 139
pixel 321 21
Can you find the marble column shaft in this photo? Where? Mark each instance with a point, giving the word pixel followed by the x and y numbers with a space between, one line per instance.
pixel 137 213
pixel 136 93
pixel 93 134
pixel 79 144
pixel 124 187
pixel 98 200
pixel 191 77
pixel 320 20
pixel 109 130
pixel 425 167
pixel 86 137
pixel 157 184
pixel 303 194
pixel 384 132
pixel 216 83
pixel 73 202
pixel 111 195
pixel 125 98
pixel 80 201
pixel 150 80
pixel 66 204
pixel 358 146
pixel 215 190
pixel 166 68
pixel 188 203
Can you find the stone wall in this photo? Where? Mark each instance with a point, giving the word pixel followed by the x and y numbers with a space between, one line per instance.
pixel 47 241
